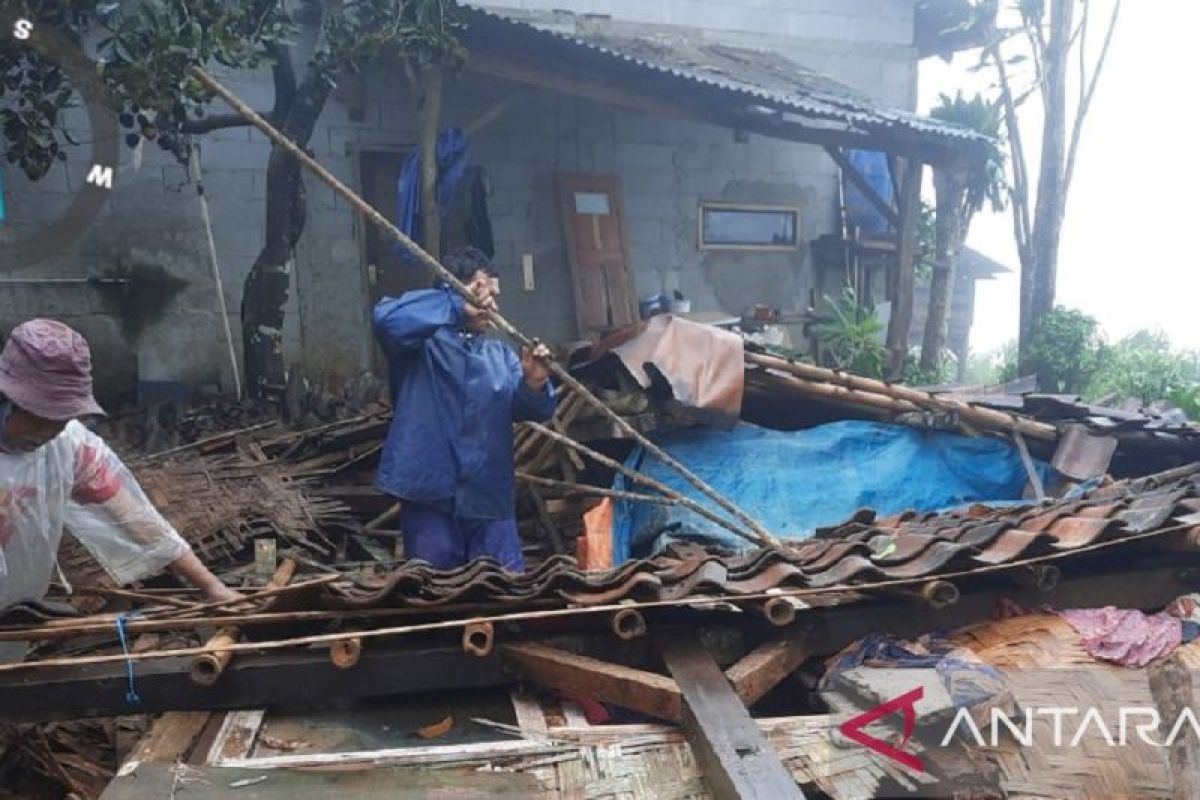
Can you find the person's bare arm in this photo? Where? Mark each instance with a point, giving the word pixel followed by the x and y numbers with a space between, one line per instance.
pixel 190 569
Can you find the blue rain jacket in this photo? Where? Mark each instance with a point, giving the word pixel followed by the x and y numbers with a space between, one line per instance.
pixel 455 397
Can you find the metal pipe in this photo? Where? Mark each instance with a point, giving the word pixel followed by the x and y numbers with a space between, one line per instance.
pixel 760 535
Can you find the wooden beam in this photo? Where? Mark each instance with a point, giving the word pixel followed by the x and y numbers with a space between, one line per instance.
pixel 857 178
pixel 627 687
pixel 1171 688
pixel 170 738
pixel 762 669
pixel 737 760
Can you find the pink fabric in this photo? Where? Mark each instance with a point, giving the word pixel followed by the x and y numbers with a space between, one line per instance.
pixel 1125 636
pixel 46 369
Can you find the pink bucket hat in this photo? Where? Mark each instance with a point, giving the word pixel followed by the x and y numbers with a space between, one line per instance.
pixel 46 369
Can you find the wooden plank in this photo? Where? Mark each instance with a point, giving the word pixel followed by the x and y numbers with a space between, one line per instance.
pixel 251 681
pixel 170 737
pixel 531 717
pixel 856 177
pixel 236 737
pixel 738 761
pixel 1171 688
pixel 763 668
pixel 435 754
pixel 563 671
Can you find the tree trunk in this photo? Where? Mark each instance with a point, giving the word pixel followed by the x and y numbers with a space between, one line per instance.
pixel 948 235
pixel 265 292
pixel 431 111
pixel 1038 279
pixel 902 287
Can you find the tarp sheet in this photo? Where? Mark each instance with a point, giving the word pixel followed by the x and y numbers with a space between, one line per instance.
pixel 795 482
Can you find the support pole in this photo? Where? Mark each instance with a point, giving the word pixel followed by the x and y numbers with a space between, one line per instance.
pixel 762 536
pixel 736 758
pixel 902 286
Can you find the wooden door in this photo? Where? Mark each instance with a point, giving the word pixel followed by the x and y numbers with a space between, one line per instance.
pixel 387 274
pixel 593 223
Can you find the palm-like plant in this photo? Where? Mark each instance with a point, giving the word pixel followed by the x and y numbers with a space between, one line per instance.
pixel 961 193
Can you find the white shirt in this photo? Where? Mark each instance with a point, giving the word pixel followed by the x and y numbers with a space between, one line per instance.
pixel 78 482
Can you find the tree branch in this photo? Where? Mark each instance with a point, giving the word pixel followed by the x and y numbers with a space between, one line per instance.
pixel 1087 92
pixel 283 74
pixel 1020 190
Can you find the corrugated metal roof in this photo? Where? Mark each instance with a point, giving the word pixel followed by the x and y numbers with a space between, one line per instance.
pixel 762 77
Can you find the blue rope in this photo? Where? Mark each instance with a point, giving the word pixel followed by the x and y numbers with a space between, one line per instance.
pixel 131 696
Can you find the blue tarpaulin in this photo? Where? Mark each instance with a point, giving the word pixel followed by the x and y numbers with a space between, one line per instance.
pixel 795 482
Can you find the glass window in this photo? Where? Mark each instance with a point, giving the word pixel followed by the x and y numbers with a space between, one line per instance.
pixel 592 203
pixel 749 226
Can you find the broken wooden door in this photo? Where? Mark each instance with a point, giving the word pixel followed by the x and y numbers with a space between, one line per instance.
pixel 595 233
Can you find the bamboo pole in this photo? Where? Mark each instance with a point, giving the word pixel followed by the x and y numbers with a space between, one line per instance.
pixel 345 654
pixel 207 668
pixel 762 536
pixel 915 399
pixel 645 480
pixel 599 491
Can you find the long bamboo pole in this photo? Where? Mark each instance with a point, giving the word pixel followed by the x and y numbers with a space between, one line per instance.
pixel 527 616
pixel 634 475
pixel 762 536
pixel 973 414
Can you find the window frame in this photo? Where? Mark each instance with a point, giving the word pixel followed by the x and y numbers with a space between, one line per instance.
pixel 748 207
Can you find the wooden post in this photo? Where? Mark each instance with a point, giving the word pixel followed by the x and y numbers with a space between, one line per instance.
pixel 902 286
pixel 737 760
pixel 1171 687
pixel 431 112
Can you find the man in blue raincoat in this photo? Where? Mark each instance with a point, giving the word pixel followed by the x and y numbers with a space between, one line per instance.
pixel 448 456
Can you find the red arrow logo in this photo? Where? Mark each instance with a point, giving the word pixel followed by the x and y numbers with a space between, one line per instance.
pixel 853 728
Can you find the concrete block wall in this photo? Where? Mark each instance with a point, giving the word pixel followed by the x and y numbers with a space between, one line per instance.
pixel 666 168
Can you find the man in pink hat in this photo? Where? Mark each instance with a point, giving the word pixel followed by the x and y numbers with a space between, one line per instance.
pixel 55 473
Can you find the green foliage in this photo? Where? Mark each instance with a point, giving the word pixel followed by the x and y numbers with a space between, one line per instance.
pixel 988 183
pixel 1144 367
pixel 1066 351
pixel 850 336
pixel 943 373
pixel 926 235
pixel 148 48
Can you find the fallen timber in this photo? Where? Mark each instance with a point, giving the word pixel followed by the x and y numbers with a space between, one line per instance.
pixel 256 680
pixel 754 531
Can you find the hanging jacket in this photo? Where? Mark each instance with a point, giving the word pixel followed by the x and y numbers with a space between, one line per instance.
pixel 453 157
pixel 76 481
pixel 455 396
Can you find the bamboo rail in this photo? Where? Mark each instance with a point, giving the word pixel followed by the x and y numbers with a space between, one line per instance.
pixel 760 535
pixel 634 475
pixel 895 397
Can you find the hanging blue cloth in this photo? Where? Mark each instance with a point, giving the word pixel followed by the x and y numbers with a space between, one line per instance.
pixel 2 197
pixel 453 157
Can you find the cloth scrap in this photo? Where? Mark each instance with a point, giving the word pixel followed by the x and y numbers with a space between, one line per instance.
pixel 1123 635
pixel 965 677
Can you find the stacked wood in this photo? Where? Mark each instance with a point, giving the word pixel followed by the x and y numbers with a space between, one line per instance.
pixel 845 388
pixel 58 759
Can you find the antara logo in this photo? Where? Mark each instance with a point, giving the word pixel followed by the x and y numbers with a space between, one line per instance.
pixel 853 728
